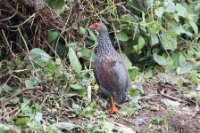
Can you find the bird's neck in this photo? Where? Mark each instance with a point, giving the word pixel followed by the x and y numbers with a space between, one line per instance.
pixel 105 45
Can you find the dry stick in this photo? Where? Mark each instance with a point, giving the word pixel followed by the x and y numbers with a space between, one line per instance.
pixel 120 50
pixel 17 26
pixel 63 30
pixel 8 18
pixel 25 46
pixel 172 98
pixel 21 92
pixel 10 7
pixel 7 43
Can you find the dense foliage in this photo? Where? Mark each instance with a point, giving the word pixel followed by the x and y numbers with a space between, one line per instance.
pixel 46 83
pixel 164 32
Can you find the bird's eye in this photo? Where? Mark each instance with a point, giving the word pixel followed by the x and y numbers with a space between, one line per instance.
pixel 96 25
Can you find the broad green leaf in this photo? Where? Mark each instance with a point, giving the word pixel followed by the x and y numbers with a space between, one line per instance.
pixel 181 10
pixel 194 26
pixel 168 41
pixel 31 82
pixel 133 72
pixel 60 49
pixel 159 12
pixel 154 40
pixel 52 35
pixel 92 36
pixel 51 65
pixel 154 27
pixel 87 54
pixel 180 30
pixel 7 88
pixel 148 73
pixel 10 89
pixel 126 60
pixel 74 61
pixel 57 4
pixel 128 17
pixel 178 58
pixel 185 68
pixel 159 59
pixel 26 108
pixel 38 118
pixel 133 92
pixel 66 126
pixel 39 55
pixel 22 121
pixel 76 87
pixel 81 30
pixel 122 36
pixel 140 45
pixel 170 6
pixel 107 126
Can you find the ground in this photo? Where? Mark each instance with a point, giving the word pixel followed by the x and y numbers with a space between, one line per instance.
pixel 158 106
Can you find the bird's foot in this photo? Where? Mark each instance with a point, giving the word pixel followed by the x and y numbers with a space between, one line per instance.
pixel 114 110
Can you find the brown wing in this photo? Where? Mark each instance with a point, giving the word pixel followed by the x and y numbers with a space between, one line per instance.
pixel 113 78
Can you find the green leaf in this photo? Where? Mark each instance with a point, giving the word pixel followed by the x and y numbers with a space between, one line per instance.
pixel 7 88
pixel 60 49
pixel 76 87
pixel 74 60
pixel 51 65
pixel 39 55
pixel 57 4
pixel 159 59
pixel 87 54
pixel 181 10
pixel 92 36
pixel 52 35
pixel 22 121
pixel 178 58
pixel 122 36
pixel 128 17
pixel 126 60
pixel 159 12
pixel 81 30
pixel 170 7
pixel 38 118
pixel 64 126
pixel 133 72
pixel 10 89
pixel 154 28
pixel 185 68
pixel 194 26
pixel 31 82
pixel 133 92
pixel 154 40
pixel 107 126
pixel 169 41
pixel 138 47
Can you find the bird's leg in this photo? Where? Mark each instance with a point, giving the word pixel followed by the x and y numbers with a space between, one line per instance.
pixel 113 107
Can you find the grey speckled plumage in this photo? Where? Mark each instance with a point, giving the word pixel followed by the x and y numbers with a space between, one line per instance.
pixel 109 69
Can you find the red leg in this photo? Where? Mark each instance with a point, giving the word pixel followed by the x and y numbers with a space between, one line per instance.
pixel 113 107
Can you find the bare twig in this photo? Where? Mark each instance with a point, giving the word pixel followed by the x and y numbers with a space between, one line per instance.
pixel 7 43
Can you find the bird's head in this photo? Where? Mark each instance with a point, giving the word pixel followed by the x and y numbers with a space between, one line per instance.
pixel 99 26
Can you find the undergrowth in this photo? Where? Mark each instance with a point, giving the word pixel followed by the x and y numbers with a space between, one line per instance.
pixel 46 72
